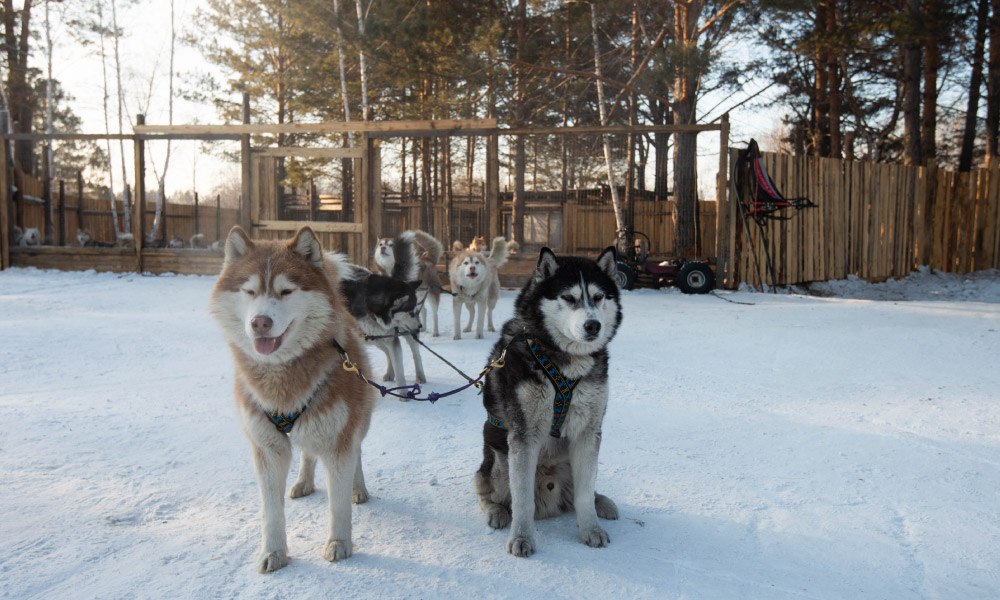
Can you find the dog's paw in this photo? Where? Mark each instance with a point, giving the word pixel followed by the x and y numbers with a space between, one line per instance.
pixel 606 508
pixel 490 328
pixel 421 379
pixel 301 489
pixel 595 537
pixel 457 336
pixel 389 376
pixel 521 546
pixel 468 329
pixel 337 550
pixel 359 496
pixel 479 336
pixel 498 516
pixel 268 562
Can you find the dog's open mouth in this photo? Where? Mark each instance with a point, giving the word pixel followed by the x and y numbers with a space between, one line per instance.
pixel 472 274
pixel 267 345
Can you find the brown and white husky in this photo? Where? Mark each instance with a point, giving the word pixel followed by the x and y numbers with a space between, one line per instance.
pixel 279 306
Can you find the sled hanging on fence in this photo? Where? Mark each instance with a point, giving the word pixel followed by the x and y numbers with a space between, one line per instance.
pixel 756 192
pixel 758 198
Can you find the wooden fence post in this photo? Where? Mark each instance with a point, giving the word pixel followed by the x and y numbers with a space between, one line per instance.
pixel 492 185
pixel 62 212
pixel 139 222
pixel 5 205
pixel 197 229
pixel 218 217
pixel 79 199
pixel 48 235
pixel 243 214
pixel 722 203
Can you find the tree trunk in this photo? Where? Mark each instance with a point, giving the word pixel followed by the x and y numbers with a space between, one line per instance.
pixel 833 94
pixel 821 100
pixel 19 98
pixel 107 124
pixel 126 200
pixel 161 188
pixel 517 210
pixel 993 88
pixel 621 235
pixel 975 83
pixel 362 67
pixel 685 144
pixel 932 64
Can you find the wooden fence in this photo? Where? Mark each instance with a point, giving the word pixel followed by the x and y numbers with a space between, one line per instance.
pixel 72 211
pixel 872 220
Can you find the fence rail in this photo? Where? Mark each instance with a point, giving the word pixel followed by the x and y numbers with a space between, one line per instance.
pixel 872 220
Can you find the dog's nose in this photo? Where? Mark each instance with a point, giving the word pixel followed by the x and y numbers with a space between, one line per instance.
pixel 592 328
pixel 261 325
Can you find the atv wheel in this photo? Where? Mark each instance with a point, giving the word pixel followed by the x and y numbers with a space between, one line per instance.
pixel 624 275
pixel 696 278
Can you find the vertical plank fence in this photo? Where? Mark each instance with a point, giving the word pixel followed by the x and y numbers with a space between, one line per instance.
pixel 875 221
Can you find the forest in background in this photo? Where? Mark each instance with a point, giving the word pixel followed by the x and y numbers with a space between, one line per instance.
pixel 913 81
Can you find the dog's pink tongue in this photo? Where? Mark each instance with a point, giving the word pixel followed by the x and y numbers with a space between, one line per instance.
pixel 265 345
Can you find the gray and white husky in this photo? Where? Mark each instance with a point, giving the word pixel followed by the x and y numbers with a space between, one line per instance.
pixel 546 404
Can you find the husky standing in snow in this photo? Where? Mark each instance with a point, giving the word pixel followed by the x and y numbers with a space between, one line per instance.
pixel 475 283
pixel 384 307
pixel 425 251
pixel 546 404
pixel 280 309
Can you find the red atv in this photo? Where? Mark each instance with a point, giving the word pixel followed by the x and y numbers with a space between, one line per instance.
pixel 636 268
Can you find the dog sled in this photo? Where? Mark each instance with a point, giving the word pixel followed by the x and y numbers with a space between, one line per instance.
pixel 760 201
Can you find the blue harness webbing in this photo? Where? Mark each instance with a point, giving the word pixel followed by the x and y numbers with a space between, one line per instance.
pixel 563 388
pixel 284 422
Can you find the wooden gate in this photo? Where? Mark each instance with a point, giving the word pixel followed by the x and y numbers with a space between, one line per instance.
pixel 272 218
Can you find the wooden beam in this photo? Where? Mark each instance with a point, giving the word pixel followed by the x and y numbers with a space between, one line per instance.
pixel 320 226
pixel 426 127
pixel 611 129
pixel 311 152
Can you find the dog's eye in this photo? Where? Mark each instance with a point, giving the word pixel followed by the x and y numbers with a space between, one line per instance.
pixel 598 298
pixel 568 298
pixel 287 292
pixel 250 293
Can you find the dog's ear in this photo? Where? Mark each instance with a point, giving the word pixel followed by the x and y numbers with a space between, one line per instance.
pixel 306 244
pixel 547 264
pixel 607 261
pixel 237 245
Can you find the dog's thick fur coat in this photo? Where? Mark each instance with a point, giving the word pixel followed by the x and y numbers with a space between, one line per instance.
pixel 475 284
pixel 279 306
pixel 571 310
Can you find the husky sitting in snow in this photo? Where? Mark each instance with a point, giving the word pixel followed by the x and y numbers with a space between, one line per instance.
pixel 546 404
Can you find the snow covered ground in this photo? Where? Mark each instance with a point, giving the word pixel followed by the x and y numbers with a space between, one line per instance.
pixel 840 445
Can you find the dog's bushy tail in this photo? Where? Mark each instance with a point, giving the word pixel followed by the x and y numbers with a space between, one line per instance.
pixel 430 245
pixel 406 266
pixel 499 252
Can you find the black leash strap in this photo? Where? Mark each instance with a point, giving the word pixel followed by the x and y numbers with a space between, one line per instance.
pixel 414 390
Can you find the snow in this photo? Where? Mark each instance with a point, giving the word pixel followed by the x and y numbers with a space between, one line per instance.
pixel 842 444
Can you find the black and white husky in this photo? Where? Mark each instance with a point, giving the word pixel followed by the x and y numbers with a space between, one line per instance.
pixel 546 404
pixel 384 308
